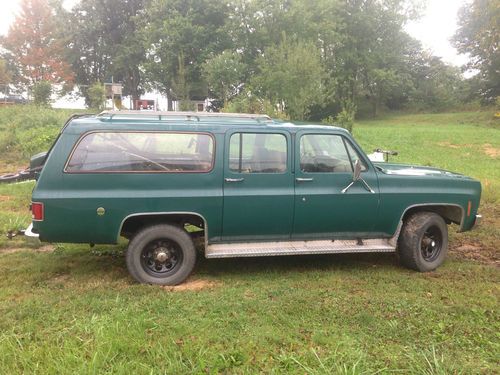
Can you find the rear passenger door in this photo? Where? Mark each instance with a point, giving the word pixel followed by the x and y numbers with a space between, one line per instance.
pixel 258 186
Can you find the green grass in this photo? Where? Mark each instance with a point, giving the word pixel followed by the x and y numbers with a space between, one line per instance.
pixel 76 310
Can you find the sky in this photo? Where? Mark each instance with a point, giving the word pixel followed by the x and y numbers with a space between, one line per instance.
pixel 434 29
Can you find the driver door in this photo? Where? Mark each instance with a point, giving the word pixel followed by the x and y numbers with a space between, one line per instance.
pixel 323 167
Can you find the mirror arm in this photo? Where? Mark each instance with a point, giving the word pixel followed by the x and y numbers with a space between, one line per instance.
pixel 343 191
pixel 367 186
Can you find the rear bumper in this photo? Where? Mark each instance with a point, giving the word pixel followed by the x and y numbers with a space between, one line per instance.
pixel 477 220
pixel 29 232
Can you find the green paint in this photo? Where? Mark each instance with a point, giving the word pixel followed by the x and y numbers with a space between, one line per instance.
pixel 264 206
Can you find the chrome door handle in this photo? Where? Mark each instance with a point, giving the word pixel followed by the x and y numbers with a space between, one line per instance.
pixel 233 179
pixel 301 179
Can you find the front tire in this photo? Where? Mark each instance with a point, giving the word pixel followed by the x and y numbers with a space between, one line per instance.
pixel 423 243
pixel 161 254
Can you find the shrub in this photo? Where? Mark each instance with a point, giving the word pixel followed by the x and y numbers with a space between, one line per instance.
pixel 97 96
pixel 345 118
pixel 41 93
pixel 36 140
pixel 248 103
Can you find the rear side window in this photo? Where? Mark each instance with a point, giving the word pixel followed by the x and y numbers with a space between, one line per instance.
pixel 257 153
pixel 142 152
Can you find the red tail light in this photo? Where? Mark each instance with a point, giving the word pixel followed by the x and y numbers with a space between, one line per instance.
pixel 37 211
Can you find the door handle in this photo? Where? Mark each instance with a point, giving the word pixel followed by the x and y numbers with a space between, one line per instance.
pixel 234 179
pixel 302 179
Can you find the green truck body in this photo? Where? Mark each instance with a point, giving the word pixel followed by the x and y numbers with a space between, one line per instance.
pixel 294 192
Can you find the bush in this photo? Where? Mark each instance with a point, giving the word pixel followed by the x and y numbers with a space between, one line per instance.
pixel 345 118
pixel 27 129
pixel 249 103
pixel 36 140
pixel 41 93
pixel 97 96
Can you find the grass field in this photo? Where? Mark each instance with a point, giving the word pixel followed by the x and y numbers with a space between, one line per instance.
pixel 69 309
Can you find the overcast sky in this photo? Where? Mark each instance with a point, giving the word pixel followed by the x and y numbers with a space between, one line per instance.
pixel 434 29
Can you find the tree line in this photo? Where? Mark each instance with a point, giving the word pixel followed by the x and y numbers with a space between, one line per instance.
pixel 320 59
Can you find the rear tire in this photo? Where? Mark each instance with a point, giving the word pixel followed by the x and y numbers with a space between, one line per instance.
pixel 423 243
pixel 161 254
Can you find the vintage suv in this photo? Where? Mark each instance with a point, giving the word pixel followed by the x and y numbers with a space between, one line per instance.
pixel 245 185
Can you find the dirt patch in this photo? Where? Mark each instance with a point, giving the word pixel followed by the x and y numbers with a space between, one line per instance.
pixel 448 144
pixel 5 198
pixel 60 278
pixel 491 151
pixel 43 249
pixel 196 284
pixel 476 252
pixel 6 168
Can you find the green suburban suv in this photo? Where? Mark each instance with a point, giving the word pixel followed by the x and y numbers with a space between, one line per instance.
pixel 239 185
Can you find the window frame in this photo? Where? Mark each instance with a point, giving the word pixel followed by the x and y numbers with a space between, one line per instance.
pixel 84 135
pixel 288 152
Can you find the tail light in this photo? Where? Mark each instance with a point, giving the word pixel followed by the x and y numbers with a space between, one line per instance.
pixel 37 211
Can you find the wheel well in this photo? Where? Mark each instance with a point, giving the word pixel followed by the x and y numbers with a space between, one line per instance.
pixel 136 222
pixel 450 214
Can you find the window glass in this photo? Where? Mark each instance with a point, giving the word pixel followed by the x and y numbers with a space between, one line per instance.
pixel 142 152
pixel 323 153
pixel 257 153
pixel 353 154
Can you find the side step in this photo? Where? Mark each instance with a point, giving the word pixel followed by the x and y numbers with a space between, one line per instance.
pixel 256 249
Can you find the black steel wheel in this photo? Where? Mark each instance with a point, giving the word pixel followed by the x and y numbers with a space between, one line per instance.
pixel 161 257
pixel 431 242
pixel 161 254
pixel 423 242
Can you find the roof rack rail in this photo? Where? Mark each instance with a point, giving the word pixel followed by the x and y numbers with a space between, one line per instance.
pixel 73 117
pixel 172 115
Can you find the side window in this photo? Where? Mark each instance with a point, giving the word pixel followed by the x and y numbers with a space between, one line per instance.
pixel 323 153
pixel 354 155
pixel 142 152
pixel 257 153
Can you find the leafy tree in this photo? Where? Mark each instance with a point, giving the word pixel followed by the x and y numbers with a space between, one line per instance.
pixel 193 30
pixel 105 41
pixel 479 36
pixel 225 74
pixel 435 85
pixel 248 102
pixel 291 77
pixel 33 44
pixel 42 91
pixel 5 75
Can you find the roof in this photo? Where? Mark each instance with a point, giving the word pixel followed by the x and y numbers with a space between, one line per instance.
pixel 209 121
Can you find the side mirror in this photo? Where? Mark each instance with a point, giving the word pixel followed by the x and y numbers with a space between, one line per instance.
pixel 356 175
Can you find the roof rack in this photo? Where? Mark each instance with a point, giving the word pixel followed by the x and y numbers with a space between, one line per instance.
pixel 73 117
pixel 189 116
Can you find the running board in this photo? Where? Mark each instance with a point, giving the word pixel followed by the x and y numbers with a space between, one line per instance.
pixel 257 249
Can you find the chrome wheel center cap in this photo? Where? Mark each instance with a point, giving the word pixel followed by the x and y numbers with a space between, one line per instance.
pixel 161 256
